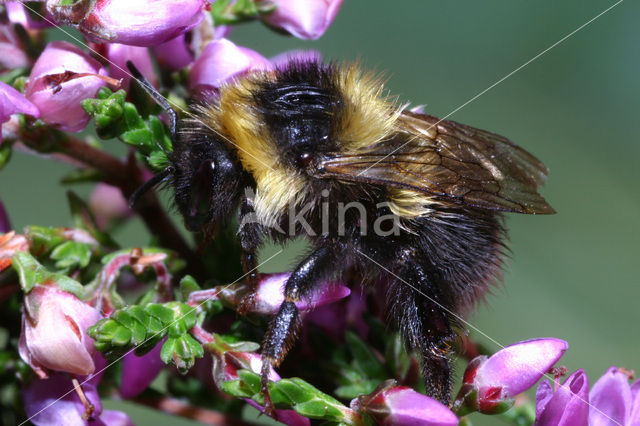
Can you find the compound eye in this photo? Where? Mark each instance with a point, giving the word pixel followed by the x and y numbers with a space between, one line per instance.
pixel 200 195
pixel 305 159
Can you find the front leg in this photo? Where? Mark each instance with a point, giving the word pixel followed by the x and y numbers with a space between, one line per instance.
pixel 284 327
pixel 250 236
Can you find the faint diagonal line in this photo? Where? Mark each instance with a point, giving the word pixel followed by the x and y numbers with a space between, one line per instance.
pixel 150 338
pixel 468 324
pixel 501 80
pixel 173 104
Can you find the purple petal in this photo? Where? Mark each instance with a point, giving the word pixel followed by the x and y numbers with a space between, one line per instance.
pixel 13 102
pixel 519 366
pixel 634 418
pixel 543 395
pixel 220 61
pixel 41 400
pixel 5 225
pixel 17 13
pixel 113 418
pixel 173 54
pixel 119 54
pixel 140 22
pixel 270 294
pixel 139 371
pixel 610 399
pixel 304 19
pixel 568 406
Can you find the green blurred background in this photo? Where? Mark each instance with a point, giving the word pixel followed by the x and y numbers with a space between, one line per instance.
pixel 573 275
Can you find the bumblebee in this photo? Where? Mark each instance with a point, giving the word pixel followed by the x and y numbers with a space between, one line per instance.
pixel 327 155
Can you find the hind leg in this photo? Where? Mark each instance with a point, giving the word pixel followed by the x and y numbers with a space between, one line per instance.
pixel 425 324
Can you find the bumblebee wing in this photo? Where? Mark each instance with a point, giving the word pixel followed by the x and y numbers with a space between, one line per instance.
pixel 450 161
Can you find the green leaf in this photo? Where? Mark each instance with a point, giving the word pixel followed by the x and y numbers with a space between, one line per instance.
pixel 188 285
pixel 71 254
pixel 236 388
pixel 31 273
pixel 364 358
pixel 142 327
pixel 44 239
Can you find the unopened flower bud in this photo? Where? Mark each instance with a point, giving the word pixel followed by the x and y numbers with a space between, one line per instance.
pixel 302 18
pixel 61 78
pixel 491 383
pixel 222 60
pixel 108 204
pixel 119 54
pixel 139 371
pixel 401 405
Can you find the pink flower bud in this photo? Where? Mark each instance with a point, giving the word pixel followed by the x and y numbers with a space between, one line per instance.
pixel 489 384
pixel 302 18
pixel 108 204
pixel 401 405
pixel 14 102
pixel 220 61
pixel 63 76
pixel 173 54
pixel 139 371
pixel 12 54
pixel 141 22
pixel 18 13
pixel 54 336
pixel 568 405
pixel 119 54
pixel 270 294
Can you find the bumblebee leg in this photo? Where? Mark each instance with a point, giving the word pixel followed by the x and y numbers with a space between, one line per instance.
pixel 426 327
pixel 250 237
pixel 284 326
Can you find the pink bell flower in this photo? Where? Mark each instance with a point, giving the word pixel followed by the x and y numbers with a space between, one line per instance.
pixel 61 78
pixel 119 54
pixel 302 18
pixel 138 22
pixel 54 337
pixel 220 61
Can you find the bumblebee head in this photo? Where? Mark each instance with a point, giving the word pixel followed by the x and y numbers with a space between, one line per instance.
pixel 206 179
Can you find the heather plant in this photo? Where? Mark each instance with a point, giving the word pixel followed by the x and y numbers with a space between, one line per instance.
pixel 88 319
